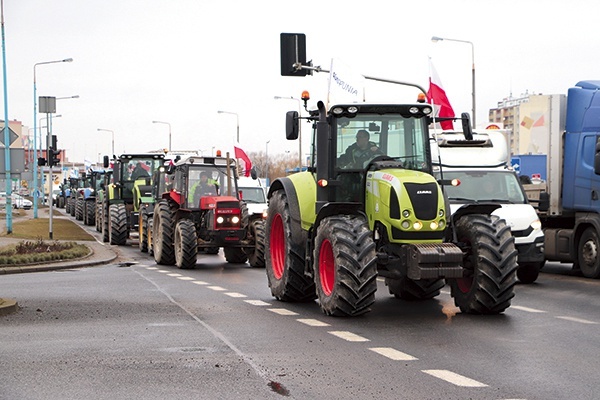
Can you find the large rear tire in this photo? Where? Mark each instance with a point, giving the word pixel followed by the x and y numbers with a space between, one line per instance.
pixel 162 235
pixel 408 289
pixel 491 264
pixel 118 224
pixel 285 261
pixel 79 209
pixel 186 244
pixel 90 213
pixel 345 266
pixel 257 257
pixel 589 259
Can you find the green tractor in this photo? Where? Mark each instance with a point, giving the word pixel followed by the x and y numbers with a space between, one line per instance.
pixel 333 229
pixel 127 187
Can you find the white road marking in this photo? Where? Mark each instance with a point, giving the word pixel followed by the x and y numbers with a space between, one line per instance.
pixel 282 311
pixel 185 278
pixel 233 294
pixel 257 302
pixel 217 288
pixel 312 322
pixel 393 354
pixel 349 336
pixel 581 321
pixel 454 378
pixel 527 309
pixel 200 283
pixel 173 274
pixel 163 271
pixel 153 268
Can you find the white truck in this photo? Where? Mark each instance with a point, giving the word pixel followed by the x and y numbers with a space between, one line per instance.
pixel 478 169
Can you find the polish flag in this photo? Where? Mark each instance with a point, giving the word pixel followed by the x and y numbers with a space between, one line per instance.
pixel 437 96
pixel 239 153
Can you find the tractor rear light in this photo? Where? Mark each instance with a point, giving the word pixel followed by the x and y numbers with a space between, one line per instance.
pixel 322 182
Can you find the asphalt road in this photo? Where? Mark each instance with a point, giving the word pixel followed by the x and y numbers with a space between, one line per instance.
pixel 154 332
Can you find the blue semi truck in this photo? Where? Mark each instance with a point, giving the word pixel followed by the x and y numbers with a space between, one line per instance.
pixel 569 205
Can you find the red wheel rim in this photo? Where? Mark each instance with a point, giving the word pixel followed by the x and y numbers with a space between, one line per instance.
pixel 277 244
pixel 326 267
pixel 464 284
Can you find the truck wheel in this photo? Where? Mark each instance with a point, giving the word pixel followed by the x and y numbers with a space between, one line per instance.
pixel 90 213
pixel 143 230
pixel 235 255
pixel 186 244
pixel 285 262
pixel 589 260
pixel 79 209
pixel 117 224
pixel 490 262
pixel 408 289
pixel 162 236
pixel 257 257
pixel 528 272
pixel 105 231
pixel 345 266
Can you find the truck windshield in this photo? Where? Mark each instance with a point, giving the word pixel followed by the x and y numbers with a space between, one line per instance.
pixel 253 194
pixel 366 136
pixel 498 186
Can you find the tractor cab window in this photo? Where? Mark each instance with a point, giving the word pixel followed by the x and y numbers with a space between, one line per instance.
pixel 366 137
pixel 137 169
pixel 207 181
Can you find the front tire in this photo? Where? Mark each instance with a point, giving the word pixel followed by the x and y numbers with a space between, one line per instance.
pixel 235 255
pixel 345 266
pixel 186 244
pixel 284 260
pixel 143 230
pixel 408 289
pixel 589 260
pixel 491 263
pixel 162 237
pixel 117 224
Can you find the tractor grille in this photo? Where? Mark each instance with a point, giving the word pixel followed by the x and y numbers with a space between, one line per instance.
pixel 424 199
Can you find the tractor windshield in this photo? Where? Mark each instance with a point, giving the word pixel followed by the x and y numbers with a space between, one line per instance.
pixel 364 137
pixel 140 168
pixel 204 180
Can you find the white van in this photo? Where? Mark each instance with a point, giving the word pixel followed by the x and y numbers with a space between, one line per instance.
pixel 255 196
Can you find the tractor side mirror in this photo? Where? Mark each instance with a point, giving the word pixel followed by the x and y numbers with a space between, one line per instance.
pixel 292 125
pixel 466 126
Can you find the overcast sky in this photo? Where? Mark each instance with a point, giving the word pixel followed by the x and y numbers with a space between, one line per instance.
pixel 180 61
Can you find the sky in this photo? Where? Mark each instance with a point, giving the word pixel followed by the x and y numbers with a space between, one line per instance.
pixel 181 61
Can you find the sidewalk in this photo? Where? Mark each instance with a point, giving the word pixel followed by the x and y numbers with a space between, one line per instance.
pixel 100 254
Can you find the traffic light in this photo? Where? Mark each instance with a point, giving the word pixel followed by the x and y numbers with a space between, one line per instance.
pixel 41 161
pixel 53 153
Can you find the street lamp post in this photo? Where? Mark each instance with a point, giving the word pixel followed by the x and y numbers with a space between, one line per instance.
pixel 238 122
pixel 113 139
pixel 267 161
pixel 435 39
pixel 299 128
pixel 166 123
pixel 35 169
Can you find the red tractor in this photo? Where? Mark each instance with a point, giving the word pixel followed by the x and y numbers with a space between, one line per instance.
pixel 201 211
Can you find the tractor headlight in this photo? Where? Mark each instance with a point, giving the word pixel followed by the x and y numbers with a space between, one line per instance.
pixel 418 225
pixel 235 219
pixel 433 225
pixel 337 110
pixel 220 220
pixel 442 224
pixel 406 213
pixel 405 224
pixel 441 213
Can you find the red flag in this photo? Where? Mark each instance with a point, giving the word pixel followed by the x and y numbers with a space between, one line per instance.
pixel 436 95
pixel 239 153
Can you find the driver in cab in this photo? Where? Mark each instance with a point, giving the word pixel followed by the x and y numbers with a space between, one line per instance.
pixel 360 152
